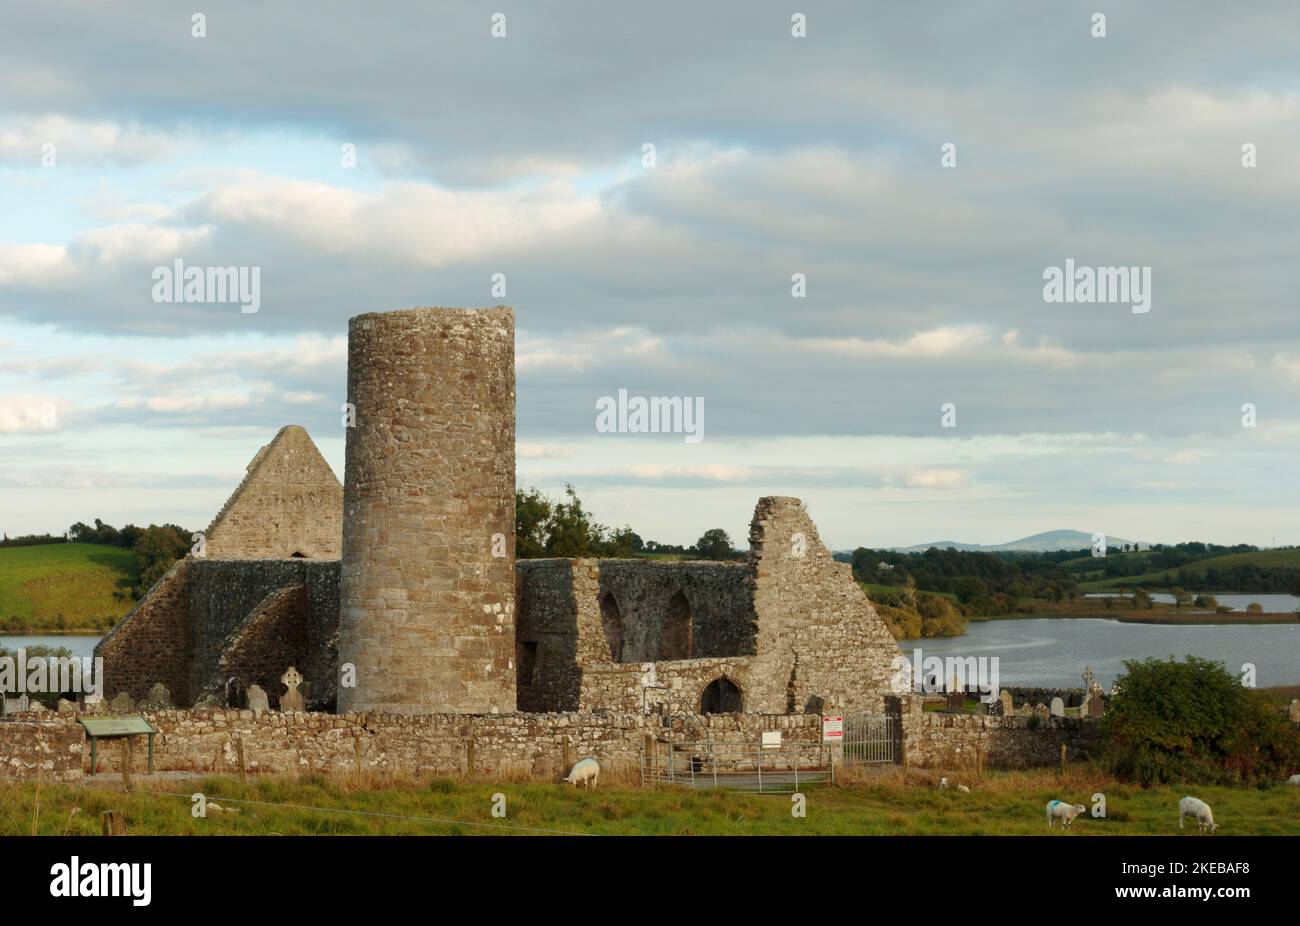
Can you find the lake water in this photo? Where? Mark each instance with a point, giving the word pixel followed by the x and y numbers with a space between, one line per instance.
pixel 78 645
pixel 1053 652
pixel 1272 604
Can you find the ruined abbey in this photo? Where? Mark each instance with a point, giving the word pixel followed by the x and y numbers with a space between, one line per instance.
pixel 398 591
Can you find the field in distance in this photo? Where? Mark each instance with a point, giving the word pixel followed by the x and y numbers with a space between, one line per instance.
pixel 65 586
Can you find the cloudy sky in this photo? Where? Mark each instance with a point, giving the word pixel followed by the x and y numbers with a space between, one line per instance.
pixel 127 143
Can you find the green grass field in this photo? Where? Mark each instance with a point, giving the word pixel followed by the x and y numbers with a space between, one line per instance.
pixel 894 802
pixel 65 586
pixel 1287 559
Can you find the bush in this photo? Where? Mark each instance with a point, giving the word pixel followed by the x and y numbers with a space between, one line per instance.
pixel 1193 722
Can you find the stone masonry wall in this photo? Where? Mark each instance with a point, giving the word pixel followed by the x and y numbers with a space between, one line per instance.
pixel 508 744
pixel 224 594
pixel 148 645
pixel 427 613
pixel 50 750
pixel 717 594
pixel 289 503
pixel 271 639
pixel 933 739
pixel 827 647
pixel 178 631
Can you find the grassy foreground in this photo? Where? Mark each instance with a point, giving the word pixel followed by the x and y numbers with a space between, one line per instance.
pixel 65 586
pixel 894 802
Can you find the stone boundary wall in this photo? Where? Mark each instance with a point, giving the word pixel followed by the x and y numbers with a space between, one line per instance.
pixel 503 745
pixel 943 740
pixel 49 750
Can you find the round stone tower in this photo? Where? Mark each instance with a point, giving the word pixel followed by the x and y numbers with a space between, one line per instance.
pixel 428 584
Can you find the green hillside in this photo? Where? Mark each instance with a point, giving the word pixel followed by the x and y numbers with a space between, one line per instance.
pixel 1263 559
pixel 65 586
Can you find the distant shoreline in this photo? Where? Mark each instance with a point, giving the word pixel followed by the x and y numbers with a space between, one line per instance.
pixel 1152 617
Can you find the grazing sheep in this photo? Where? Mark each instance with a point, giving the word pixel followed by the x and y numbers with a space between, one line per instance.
pixel 943 784
pixel 1059 810
pixel 1193 807
pixel 963 789
pixel 585 772
pixel 1293 780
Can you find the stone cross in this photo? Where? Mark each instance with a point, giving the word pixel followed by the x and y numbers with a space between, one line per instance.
pixel 1089 679
pixel 292 699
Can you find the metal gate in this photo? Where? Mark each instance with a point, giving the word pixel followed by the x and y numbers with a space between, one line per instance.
pixel 870 740
pixel 735 767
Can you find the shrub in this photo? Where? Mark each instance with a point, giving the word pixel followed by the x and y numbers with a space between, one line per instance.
pixel 1193 721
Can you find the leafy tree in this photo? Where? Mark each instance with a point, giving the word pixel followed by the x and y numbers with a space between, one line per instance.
pixel 533 512
pixel 158 548
pixel 715 544
pixel 1193 721
pixel 572 531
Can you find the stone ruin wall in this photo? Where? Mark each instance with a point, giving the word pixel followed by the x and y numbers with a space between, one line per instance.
pixel 722 616
pixel 427 614
pixel 149 644
pixel 289 503
pixel 181 628
pixel 226 594
pixel 828 647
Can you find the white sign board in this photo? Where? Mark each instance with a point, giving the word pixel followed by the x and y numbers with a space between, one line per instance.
pixel 832 728
pixel 772 739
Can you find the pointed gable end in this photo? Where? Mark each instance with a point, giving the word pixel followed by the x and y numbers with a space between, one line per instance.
pixel 289 504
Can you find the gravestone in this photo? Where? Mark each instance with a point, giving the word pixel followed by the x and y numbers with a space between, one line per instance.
pixel 123 702
pixel 1294 711
pixel 1096 705
pixel 257 700
pixel 159 697
pixel 291 700
pixel 1041 711
pixel 1058 707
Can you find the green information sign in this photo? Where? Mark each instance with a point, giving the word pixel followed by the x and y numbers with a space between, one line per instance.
pixel 98 728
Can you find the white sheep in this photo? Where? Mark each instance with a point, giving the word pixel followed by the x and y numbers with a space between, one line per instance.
pixel 1293 780
pixel 1059 810
pixel 584 772
pixel 1193 807
pixel 963 789
pixel 943 784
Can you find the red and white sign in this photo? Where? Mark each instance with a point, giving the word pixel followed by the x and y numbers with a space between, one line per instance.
pixel 832 728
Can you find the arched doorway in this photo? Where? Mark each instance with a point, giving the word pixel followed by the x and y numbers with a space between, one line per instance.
pixel 611 621
pixel 676 637
pixel 721 696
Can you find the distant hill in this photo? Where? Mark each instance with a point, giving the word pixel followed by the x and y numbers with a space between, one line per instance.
pixel 89 584
pixel 1035 543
